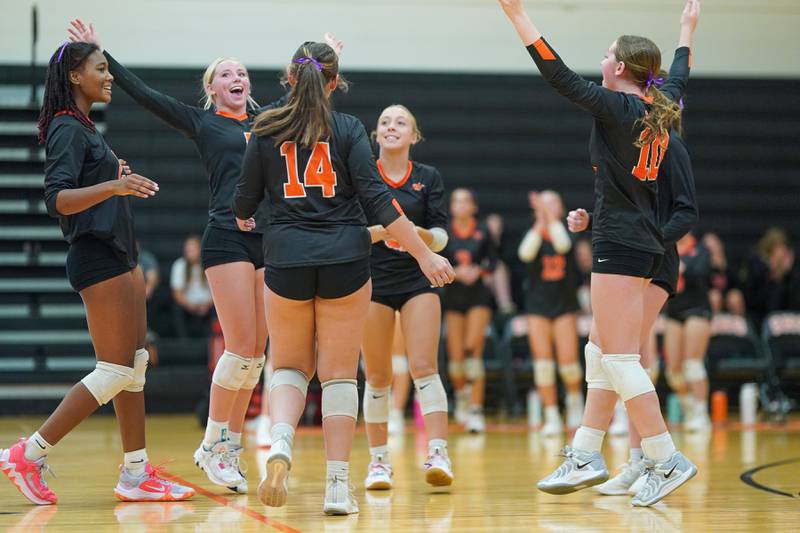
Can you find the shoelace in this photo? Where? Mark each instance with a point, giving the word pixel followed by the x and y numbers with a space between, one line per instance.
pixel 45 468
pixel 159 473
pixel 234 460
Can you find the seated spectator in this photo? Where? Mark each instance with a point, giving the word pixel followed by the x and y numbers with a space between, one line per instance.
pixel 772 278
pixel 191 312
pixel 724 294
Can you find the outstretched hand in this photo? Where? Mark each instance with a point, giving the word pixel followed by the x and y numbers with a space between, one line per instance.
pixel 81 33
pixel 334 43
pixel 691 14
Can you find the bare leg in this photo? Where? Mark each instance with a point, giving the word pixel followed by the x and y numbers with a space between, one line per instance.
pixel 477 320
pixel 377 351
pixel 541 344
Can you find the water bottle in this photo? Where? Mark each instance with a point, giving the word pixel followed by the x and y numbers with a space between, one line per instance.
pixel 674 410
pixel 534 409
pixel 748 404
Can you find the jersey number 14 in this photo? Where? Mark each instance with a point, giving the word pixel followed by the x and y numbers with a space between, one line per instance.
pixel 650 157
pixel 318 173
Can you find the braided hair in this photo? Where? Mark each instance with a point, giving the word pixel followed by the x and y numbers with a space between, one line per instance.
pixel 58 89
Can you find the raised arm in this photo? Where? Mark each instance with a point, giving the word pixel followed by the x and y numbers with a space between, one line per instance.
pixel 675 86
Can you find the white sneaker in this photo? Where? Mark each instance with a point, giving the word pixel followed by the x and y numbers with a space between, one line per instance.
pixel 397 422
pixel 621 483
pixel 461 411
pixel 664 478
pixel 574 410
pixel 638 484
pixel 619 424
pixel 379 476
pixel 339 499
pixel 274 488
pixel 697 419
pixel 476 423
pixel 263 425
pixel 553 425
pixel 579 470
pixel 438 469
pixel 217 466
pixel 234 458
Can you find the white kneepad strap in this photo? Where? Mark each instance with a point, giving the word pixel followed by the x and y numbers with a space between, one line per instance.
pixel 340 398
pixel 140 361
pixel 694 370
pixel 289 376
pixel 544 372
pixel 399 364
pixel 675 380
pixel 473 368
pixel 431 394
pixel 596 376
pixel 256 369
pixel 653 371
pixel 376 404
pixel 231 371
pixel 455 369
pixel 107 380
pixel 627 375
pixel 570 373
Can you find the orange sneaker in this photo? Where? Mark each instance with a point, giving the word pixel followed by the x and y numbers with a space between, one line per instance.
pixel 149 487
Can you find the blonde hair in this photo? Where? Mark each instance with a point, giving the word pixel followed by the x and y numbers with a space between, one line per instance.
pixel 411 117
pixel 208 77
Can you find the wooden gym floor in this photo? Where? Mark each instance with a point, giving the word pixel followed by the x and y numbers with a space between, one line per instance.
pixel 494 489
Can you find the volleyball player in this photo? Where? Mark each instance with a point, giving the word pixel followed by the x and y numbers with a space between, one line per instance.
pixel 87 189
pixel 467 304
pixel 401 382
pixel 629 139
pixel 399 286
pixel 313 165
pixel 551 305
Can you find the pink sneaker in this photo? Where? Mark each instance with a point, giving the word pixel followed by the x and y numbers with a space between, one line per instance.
pixel 27 475
pixel 149 487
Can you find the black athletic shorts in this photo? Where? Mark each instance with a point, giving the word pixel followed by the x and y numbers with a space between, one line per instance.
pixel 397 301
pixel 460 298
pixel 221 246
pixel 91 260
pixel 325 281
pixel 613 258
pixel 667 275
pixel 551 308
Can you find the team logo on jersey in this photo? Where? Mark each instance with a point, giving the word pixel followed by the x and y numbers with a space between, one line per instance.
pixel 247 136
pixel 417 186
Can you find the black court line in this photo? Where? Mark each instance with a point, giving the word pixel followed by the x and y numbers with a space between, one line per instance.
pixel 747 477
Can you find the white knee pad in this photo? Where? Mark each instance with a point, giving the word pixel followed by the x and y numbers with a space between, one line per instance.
pixel 431 394
pixel 570 373
pixel 289 376
pixel 340 398
pixel 473 369
pixel 627 375
pixel 694 370
pixel 399 364
pixel 544 372
pixel 654 370
pixel 376 404
pixel 231 371
pixel 596 376
pixel 675 380
pixel 139 370
pixel 256 369
pixel 107 380
pixel 455 369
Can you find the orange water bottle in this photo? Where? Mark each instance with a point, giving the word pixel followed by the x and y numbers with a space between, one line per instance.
pixel 719 407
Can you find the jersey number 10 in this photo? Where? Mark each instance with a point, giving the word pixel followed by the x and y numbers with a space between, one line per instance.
pixel 650 157
pixel 318 173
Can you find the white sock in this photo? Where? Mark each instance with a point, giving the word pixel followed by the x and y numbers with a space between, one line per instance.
pixel 636 455
pixel 215 432
pixel 573 397
pixel 435 444
pixel 380 454
pixel 338 469
pixel 135 461
pixel 551 413
pixel 282 430
pixel 659 448
pixel 235 439
pixel 588 439
pixel 36 447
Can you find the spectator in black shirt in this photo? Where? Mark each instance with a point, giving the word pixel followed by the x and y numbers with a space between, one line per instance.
pixel 724 294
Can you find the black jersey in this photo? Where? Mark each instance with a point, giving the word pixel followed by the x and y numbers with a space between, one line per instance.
pixel 421 196
pixel 220 139
pixel 312 196
pixel 677 202
pixel 552 277
pixel 77 157
pixel 694 280
pixel 472 247
pixel 625 176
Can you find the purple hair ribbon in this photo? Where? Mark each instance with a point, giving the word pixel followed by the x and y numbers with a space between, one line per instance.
pixel 302 60
pixel 658 82
pixel 61 52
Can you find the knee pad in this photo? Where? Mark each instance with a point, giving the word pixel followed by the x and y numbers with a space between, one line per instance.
pixel 431 394
pixel 256 369
pixel 455 369
pixel 675 380
pixel 399 364
pixel 596 376
pixel 107 380
pixel 376 404
pixel 289 376
pixel 340 398
pixel 473 369
pixel 139 370
pixel 627 375
pixel 654 370
pixel 570 373
pixel 231 371
pixel 544 372
pixel 694 370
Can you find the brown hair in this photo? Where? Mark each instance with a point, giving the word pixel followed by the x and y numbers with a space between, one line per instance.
pixel 306 117
pixel 642 60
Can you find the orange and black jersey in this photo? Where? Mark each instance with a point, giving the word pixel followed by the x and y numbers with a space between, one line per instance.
pixel 421 196
pixel 695 279
pixel 312 196
pixel 220 139
pixel 552 276
pixel 471 247
pixel 77 157
pixel 625 176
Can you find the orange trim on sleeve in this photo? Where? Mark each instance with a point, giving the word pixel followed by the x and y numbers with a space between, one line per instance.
pixel 396 205
pixel 543 50
pixel 690 58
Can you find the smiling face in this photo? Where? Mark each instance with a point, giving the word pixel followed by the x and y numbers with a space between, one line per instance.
pixel 228 85
pixel 93 79
pixel 397 129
